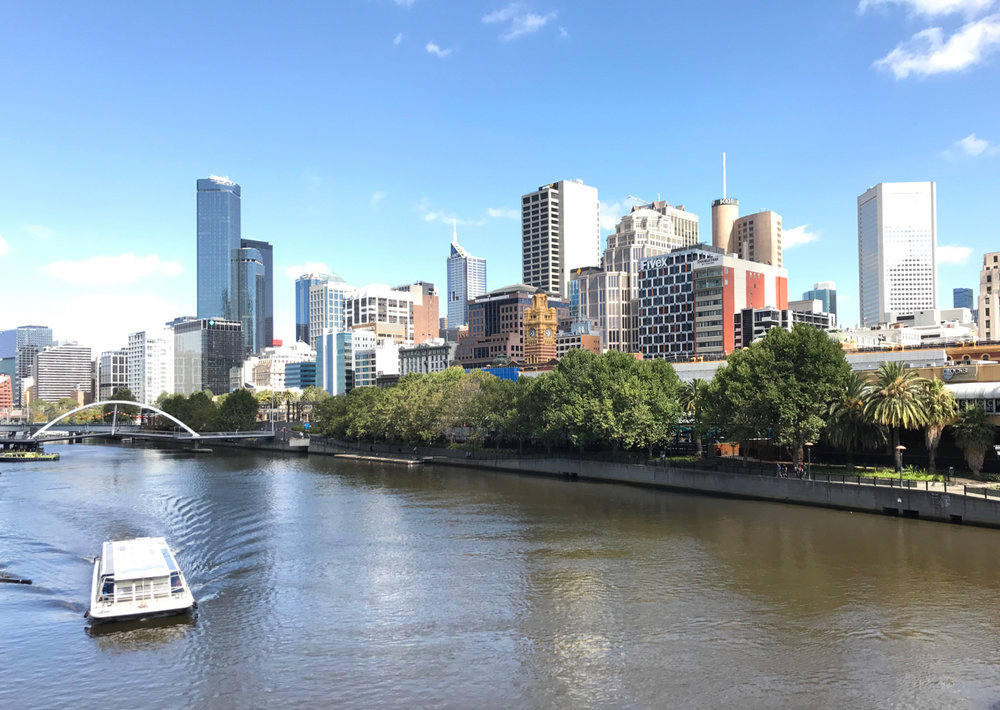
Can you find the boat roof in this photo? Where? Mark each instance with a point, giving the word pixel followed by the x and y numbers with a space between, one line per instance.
pixel 137 558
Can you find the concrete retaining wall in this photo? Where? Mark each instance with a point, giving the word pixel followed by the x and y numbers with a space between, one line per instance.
pixel 930 505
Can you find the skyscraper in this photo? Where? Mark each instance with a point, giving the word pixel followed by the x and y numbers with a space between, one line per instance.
pixel 328 306
pixel 250 303
pixel 989 298
pixel 61 370
pixel 150 365
pixel 607 296
pixel 302 286
pixel 560 231
pixel 897 240
pixel 466 280
pixel 218 247
pixel 962 298
pixel 825 291
pixel 29 340
pixel 205 350
pixel 266 304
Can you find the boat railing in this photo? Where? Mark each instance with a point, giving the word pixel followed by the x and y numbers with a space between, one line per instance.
pixel 140 591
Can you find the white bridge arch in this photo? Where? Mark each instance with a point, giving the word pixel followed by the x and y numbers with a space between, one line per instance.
pixel 117 401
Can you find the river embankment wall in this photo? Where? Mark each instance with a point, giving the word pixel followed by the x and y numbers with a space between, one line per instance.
pixel 935 505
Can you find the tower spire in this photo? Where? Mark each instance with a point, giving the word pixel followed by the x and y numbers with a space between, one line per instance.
pixel 454 230
pixel 723 175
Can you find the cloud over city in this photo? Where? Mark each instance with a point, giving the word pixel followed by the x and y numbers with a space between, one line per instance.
pixel 104 270
pixel 436 50
pixel 952 254
pixel 797 236
pixel 517 21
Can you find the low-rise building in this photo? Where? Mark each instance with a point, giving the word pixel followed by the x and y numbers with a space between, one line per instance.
pixel 434 355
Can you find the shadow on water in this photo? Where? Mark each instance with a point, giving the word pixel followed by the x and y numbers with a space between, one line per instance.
pixel 141 635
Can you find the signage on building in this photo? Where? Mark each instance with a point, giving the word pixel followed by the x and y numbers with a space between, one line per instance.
pixel 950 374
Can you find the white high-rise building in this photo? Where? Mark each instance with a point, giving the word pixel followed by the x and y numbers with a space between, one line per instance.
pixel 560 231
pixel 466 281
pixel 897 240
pixel 150 365
pixel 327 306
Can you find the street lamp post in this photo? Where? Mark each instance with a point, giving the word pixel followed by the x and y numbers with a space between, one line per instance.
pixel 809 462
pixel 899 462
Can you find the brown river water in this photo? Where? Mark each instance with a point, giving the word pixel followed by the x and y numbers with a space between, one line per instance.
pixel 334 584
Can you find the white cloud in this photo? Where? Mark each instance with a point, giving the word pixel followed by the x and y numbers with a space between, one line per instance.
pixel 971 145
pixel 310 267
pixel 502 212
pixel 951 254
pixel 519 21
pixel 931 7
pixel 4 248
pixel 404 3
pixel 436 50
pixel 108 270
pixel 39 231
pixel 378 196
pixel 930 52
pixel 611 212
pixel 397 39
pixel 797 236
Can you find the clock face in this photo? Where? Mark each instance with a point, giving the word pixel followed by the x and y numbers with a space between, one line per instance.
pixel 548 332
pixel 531 333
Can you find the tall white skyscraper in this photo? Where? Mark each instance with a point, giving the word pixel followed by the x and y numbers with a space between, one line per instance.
pixel 466 280
pixel 897 240
pixel 560 231
pixel 150 365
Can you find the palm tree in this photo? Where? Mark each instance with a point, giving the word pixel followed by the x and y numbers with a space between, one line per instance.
pixel 893 401
pixel 973 433
pixel 940 408
pixel 690 396
pixel 848 426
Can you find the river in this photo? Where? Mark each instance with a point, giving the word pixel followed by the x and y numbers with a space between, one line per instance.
pixel 325 583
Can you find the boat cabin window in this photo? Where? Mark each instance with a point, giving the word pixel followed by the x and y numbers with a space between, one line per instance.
pixel 108 586
pixel 175 582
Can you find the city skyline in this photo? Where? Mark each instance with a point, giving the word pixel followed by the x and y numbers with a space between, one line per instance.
pixel 362 172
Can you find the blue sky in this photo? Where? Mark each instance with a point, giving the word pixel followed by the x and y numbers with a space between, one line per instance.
pixel 358 129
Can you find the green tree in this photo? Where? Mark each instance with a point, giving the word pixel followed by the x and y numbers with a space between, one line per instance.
pixel 238 412
pixel 780 387
pixel 122 393
pixel 940 408
pixel 848 426
pixel 894 401
pixel 691 395
pixel 974 434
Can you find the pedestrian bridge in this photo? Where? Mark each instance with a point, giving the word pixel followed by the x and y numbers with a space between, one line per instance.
pixel 84 431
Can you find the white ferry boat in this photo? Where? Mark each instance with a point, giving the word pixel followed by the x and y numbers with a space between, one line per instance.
pixel 137 579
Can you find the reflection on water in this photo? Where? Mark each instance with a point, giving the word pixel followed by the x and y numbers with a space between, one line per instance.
pixel 330 584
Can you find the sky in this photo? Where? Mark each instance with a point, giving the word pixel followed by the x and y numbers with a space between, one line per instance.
pixel 360 129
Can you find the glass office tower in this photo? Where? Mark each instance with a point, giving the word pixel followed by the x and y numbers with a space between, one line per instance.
pixel 218 247
pixel 250 280
pixel 266 303
pixel 205 350
pixel 302 286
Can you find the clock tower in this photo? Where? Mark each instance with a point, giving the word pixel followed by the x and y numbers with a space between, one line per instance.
pixel 540 324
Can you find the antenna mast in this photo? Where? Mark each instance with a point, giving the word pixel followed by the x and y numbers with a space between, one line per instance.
pixel 454 230
pixel 723 175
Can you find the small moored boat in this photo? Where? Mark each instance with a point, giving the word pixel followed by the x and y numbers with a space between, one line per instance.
pixel 16 456
pixel 138 579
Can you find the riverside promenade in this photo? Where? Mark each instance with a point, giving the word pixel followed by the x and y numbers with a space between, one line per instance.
pixel 936 501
